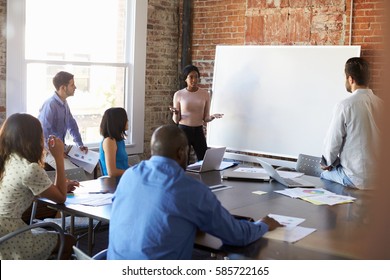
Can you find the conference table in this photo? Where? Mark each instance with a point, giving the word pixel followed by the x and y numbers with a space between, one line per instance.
pixel 336 226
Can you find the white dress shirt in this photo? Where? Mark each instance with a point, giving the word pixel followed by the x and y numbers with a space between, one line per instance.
pixel 353 136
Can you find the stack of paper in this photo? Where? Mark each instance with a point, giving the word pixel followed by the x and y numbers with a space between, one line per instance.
pixel 317 196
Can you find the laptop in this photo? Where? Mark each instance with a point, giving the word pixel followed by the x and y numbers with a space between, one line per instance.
pixel 245 174
pixel 211 161
pixel 290 183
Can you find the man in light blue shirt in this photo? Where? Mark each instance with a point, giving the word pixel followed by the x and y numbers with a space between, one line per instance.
pixel 157 208
pixel 55 115
pixel 351 146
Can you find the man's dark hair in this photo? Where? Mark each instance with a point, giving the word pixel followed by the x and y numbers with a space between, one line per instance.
pixel 359 70
pixel 62 78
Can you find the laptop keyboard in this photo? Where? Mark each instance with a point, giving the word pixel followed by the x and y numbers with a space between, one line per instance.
pixel 292 182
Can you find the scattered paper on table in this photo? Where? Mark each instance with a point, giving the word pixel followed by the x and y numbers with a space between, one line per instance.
pixel 259 192
pixel 304 192
pixel 288 234
pixel 317 196
pixel 287 220
pixel 97 199
pixel 291 232
pixel 332 199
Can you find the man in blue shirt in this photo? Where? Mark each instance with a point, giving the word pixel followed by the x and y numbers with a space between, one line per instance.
pixel 157 208
pixel 55 115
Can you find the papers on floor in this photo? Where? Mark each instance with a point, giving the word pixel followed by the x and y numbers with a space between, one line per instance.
pixel 291 232
pixel 317 196
pixel 90 199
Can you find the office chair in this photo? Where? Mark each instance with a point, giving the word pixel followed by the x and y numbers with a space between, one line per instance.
pixel 309 165
pixel 51 225
pixel 80 255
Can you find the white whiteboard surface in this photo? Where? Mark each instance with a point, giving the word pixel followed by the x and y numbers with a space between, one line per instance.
pixel 276 100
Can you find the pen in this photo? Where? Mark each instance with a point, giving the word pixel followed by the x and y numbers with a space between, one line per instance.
pixel 98 192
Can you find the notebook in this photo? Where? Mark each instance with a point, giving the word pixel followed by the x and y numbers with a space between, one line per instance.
pixel 211 161
pixel 290 183
pixel 246 174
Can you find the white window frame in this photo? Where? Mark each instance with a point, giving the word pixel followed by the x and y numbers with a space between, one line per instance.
pixel 135 59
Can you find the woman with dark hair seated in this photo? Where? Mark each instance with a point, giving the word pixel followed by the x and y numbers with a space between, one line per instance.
pixel 113 155
pixel 22 178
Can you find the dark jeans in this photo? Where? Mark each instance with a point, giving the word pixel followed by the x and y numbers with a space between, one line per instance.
pixel 196 139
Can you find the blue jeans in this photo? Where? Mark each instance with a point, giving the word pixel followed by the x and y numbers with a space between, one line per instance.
pixel 337 175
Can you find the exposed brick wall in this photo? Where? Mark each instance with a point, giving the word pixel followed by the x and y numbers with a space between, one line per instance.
pixel 284 22
pixel 161 65
pixel 367 31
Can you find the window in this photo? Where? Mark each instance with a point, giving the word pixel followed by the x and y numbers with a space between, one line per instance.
pixel 101 42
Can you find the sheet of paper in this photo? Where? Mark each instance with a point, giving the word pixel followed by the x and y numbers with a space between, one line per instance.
pixel 67 163
pixel 259 192
pixel 86 166
pixel 87 161
pixel 303 192
pixel 287 221
pixel 226 164
pixel 90 199
pixel 331 199
pixel 290 235
pixel 198 163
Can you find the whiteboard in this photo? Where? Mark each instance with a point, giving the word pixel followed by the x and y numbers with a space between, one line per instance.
pixel 276 100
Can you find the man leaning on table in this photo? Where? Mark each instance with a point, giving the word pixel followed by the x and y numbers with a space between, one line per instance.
pixel 157 208
pixel 352 142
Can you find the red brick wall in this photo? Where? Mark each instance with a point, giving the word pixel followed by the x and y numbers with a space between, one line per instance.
pixel 161 65
pixel 284 22
pixel 367 31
